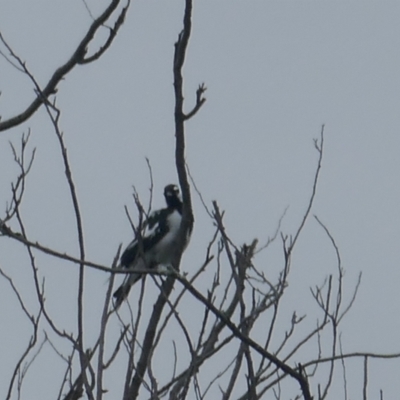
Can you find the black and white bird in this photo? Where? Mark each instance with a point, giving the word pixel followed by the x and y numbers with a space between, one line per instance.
pixel 157 243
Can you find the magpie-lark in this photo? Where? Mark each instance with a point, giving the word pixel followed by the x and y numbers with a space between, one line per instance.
pixel 156 245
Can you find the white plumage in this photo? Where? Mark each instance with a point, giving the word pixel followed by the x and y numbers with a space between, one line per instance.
pixel 156 245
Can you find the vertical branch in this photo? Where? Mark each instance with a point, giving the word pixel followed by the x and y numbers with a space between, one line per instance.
pixel 18 188
pixel 343 369
pixel 319 146
pixel 180 117
pixel 68 174
pixel 365 378
pixel 104 319
pixel 179 59
pixel 187 214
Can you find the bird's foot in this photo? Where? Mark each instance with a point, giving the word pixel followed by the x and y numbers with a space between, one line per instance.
pixel 167 269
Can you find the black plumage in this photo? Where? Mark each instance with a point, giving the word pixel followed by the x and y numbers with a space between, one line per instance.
pixel 156 245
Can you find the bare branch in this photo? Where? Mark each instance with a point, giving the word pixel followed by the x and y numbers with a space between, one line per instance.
pixel 187 213
pixel 319 146
pixel 32 341
pixel 149 340
pixel 200 100
pixel 179 59
pixel 54 115
pixel 365 378
pixel 78 57
pixel 103 325
pixel 245 339
pixel 111 36
pixel 18 187
pixel 353 355
pixel 344 369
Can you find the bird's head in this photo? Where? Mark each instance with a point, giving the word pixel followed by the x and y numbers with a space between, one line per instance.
pixel 172 196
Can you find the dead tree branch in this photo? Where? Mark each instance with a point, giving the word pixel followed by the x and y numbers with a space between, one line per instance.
pixel 54 115
pixel 300 378
pixel 187 217
pixel 78 57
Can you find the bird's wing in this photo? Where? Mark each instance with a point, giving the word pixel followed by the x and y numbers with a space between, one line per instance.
pixel 130 253
pixel 153 230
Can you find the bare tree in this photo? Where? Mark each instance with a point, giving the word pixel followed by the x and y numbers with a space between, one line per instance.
pixel 242 345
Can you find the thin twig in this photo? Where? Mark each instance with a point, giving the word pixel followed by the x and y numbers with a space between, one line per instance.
pixel 319 146
pixel 54 115
pixel 103 324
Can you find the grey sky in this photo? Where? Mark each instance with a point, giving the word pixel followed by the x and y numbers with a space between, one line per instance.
pixel 275 72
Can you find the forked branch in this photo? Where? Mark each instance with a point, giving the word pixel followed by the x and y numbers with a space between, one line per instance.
pixel 78 57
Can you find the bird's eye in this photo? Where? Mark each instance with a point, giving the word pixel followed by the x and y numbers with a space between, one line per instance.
pixel 171 190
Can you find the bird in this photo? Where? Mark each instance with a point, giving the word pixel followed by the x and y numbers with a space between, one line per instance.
pixel 156 245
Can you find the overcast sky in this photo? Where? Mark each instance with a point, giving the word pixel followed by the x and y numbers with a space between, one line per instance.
pixel 275 72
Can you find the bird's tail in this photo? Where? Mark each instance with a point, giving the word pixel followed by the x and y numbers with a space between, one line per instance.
pixel 122 292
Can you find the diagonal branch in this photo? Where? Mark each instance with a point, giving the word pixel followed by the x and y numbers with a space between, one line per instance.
pixel 147 346
pixel 301 379
pixel 200 100
pixel 78 57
